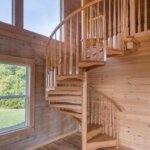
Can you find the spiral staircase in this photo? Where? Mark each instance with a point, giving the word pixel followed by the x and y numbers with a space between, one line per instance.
pixel 82 41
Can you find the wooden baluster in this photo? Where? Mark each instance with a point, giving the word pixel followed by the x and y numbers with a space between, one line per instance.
pixel 103 115
pixel 91 33
pixel 71 50
pixel 119 28
pixel 109 118
pixel 114 130
pixel 117 128
pixel 60 57
pixel 65 50
pixel 104 31
pixel 85 37
pixel 132 17
pixel 77 44
pixel 114 26
pixel 55 61
pixel 139 15
pixel 98 33
pixel 110 26
pixel 127 18
pixel 145 16
pixel 87 23
pixel 99 111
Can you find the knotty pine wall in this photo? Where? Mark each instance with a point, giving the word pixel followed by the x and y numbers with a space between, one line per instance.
pixel 49 124
pixel 127 80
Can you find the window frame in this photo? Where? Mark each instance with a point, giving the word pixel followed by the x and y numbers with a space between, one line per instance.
pixel 31 90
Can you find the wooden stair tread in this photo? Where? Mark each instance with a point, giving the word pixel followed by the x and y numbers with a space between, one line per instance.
pixel 65 92
pixel 68 88
pixel 72 107
pixel 114 52
pixel 90 64
pixel 94 130
pixel 56 97
pixel 60 101
pixel 69 77
pixel 73 114
pixel 101 141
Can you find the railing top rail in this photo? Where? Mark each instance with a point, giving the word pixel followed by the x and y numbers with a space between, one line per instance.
pixel 71 15
pixel 109 99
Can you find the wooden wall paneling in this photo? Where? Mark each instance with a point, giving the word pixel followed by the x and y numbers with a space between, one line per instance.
pixel 126 80
pixel 25 44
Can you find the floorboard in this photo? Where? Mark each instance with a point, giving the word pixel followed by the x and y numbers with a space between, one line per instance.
pixel 72 142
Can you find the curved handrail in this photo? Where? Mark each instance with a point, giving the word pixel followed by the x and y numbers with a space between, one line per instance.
pixel 109 99
pixel 70 16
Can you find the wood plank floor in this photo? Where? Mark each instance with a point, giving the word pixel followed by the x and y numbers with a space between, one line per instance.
pixel 72 142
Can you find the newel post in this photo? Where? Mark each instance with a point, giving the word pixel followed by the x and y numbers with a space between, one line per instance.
pixel 84 113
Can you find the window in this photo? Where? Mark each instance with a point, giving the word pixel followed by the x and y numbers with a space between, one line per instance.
pixel 15 95
pixel 6 11
pixel 42 16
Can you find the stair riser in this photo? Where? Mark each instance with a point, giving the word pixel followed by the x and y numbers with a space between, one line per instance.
pixel 102 144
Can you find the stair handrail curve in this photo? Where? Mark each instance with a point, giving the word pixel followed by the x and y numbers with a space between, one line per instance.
pixel 104 111
pixel 71 15
pixel 90 87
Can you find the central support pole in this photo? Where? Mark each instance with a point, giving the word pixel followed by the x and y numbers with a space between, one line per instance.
pixel 84 113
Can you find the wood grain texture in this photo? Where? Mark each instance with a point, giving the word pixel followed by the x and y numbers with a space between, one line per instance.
pixel 72 142
pixel 49 123
pixel 127 80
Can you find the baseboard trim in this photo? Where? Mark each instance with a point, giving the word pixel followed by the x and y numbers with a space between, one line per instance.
pixel 52 140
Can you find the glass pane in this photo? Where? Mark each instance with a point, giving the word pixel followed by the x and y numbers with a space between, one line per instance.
pixel 41 16
pixel 13 85
pixel 6 11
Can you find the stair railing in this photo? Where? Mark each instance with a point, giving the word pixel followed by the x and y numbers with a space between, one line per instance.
pixel 87 33
pixel 102 110
pixel 67 46
pixel 138 16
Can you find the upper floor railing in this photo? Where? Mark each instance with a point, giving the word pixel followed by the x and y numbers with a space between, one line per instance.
pixel 87 33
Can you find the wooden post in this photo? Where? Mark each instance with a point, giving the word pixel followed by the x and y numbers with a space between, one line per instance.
pixel 145 16
pixel 119 28
pixel 132 17
pixel 139 15
pixel 104 30
pixel 110 26
pixel 17 13
pixel 84 113
pixel 77 44
pixel 114 26
pixel 71 50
